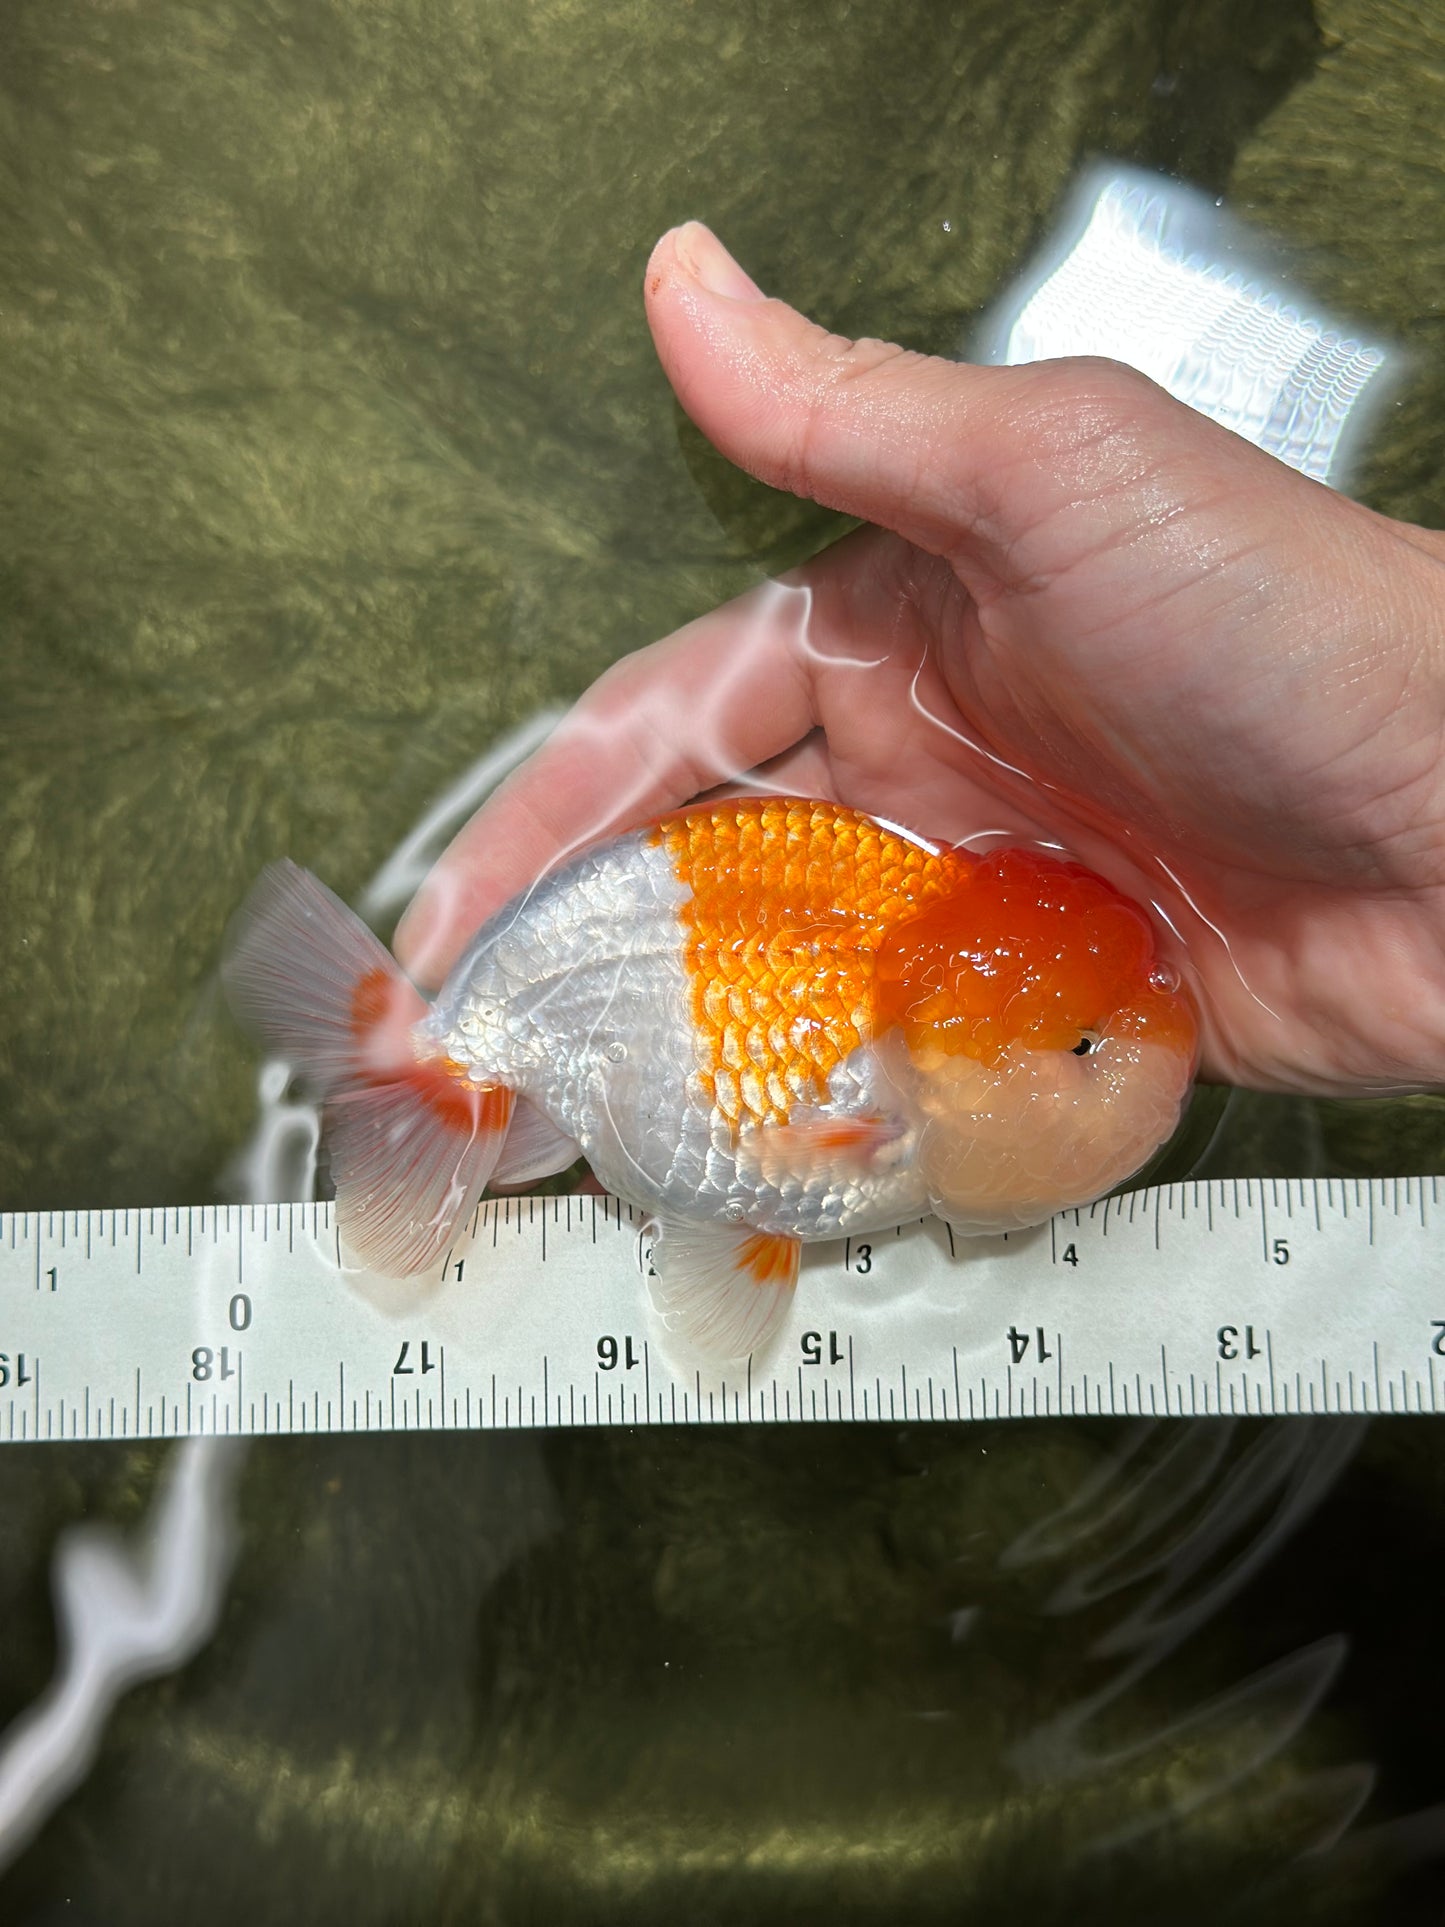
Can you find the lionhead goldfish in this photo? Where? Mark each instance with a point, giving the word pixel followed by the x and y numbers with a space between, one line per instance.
pixel 762 1021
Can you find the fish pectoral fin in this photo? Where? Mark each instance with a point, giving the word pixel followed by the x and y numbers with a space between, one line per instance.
pixel 725 1289
pixel 813 1143
pixel 534 1147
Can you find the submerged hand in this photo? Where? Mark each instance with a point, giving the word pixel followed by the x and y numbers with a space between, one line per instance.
pixel 1084 612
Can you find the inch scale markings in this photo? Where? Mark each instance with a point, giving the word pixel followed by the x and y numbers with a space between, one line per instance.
pixel 1260 1296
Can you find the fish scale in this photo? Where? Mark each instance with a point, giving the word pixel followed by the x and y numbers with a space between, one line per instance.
pixel 819 886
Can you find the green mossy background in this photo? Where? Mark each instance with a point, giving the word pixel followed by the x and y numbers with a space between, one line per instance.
pixel 333 446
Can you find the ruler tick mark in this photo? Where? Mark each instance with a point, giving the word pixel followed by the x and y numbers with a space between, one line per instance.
pixel 1397 1220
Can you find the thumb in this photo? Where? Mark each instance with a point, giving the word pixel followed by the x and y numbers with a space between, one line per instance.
pixel 964 461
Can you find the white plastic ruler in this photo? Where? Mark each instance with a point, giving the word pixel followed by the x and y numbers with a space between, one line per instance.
pixel 1211 1298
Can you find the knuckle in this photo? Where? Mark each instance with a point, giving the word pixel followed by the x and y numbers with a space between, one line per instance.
pixel 1087 402
pixel 839 365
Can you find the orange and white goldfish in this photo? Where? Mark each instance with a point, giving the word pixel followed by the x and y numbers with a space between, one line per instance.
pixel 762 1021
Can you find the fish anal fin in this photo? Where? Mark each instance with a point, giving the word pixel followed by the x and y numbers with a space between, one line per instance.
pixel 724 1289
pixel 535 1147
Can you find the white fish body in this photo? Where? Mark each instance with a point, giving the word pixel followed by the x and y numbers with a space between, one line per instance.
pixel 763 1022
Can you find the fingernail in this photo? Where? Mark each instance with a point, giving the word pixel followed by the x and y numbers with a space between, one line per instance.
pixel 708 261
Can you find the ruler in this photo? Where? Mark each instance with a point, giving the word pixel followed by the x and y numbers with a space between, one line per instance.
pixel 1215 1298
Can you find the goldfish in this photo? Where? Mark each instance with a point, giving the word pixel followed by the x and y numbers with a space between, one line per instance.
pixel 762 1021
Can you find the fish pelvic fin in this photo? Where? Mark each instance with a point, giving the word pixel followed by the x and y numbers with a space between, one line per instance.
pixel 723 1289
pixel 413 1136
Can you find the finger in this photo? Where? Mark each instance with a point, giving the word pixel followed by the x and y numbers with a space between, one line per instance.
pixel 720 697
pixel 725 693
pixel 964 461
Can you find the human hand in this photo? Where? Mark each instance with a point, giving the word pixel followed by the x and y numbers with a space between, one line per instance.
pixel 1084 613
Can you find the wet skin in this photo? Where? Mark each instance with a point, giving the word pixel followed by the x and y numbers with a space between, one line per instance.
pixel 1082 611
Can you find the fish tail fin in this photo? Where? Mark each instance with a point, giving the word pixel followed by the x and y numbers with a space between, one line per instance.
pixel 312 984
pixel 413 1136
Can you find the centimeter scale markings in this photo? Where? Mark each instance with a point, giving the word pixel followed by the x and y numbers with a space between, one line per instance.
pixel 1244 1297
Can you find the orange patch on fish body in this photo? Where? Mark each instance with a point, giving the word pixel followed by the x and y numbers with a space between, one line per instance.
pixel 788 903
pixel 811 930
pixel 1032 950
pixel 842 1133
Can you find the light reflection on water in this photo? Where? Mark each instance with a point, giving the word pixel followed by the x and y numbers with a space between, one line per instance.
pixel 131 1610
pixel 1146 1551
pixel 1180 1521
pixel 127 1610
pixel 446 1686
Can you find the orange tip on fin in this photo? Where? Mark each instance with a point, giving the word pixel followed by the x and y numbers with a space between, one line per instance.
pixel 724 1289
pixel 413 1137
pixel 410 1159
pixel 313 985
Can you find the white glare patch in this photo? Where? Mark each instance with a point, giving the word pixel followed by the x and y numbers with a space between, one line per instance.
pixel 908 836
pixel 1153 274
pixel 279 1161
pixel 128 1610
